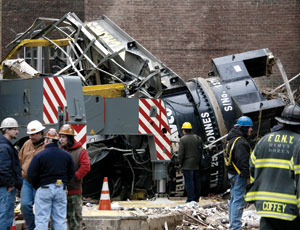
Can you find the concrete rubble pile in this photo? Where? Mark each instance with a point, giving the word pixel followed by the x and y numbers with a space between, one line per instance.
pixel 212 215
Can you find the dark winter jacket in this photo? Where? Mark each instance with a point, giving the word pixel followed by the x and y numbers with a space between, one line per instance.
pixel 82 167
pixel 189 152
pixel 240 153
pixel 10 170
pixel 272 189
pixel 50 165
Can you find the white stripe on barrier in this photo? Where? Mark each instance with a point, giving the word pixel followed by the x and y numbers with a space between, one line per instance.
pixel 104 196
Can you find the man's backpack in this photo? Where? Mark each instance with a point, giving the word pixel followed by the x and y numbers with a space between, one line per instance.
pixel 228 155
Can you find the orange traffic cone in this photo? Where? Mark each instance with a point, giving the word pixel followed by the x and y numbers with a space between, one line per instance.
pixel 14 227
pixel 104 203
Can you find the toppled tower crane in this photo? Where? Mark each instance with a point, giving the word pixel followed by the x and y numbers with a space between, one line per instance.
pixel 110 63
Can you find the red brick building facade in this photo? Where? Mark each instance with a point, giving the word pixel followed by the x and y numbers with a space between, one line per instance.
pixel 184 35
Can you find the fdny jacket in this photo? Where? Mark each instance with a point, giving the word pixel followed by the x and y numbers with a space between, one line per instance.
pixel 82 167
pixel 272 189
pixel 10 170
pixel 295 172
pixel 240 152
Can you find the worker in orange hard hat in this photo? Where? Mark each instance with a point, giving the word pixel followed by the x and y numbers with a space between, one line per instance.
pixel 82 167
pixel 49 172
pixel 189 154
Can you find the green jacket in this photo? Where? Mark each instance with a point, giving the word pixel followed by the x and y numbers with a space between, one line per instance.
pixel 189 152
pixel 272 189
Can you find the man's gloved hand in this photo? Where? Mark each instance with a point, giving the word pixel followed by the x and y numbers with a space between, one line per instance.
pixel 177 166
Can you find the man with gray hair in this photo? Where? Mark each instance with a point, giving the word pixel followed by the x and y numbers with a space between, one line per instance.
pixel 31 147
pixel 10 172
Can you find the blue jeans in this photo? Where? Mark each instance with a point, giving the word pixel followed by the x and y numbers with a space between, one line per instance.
pixel 51 200
pixel 237 202
pixel 192 182
pixel 27 200
pixel 7 206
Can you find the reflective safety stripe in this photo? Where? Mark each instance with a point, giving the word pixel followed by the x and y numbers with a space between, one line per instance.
pixel 276 215
pixel 297 169
pixel 292 163
pixel 253 159
pixel 274 163
pixel 271 196
pixel 251 179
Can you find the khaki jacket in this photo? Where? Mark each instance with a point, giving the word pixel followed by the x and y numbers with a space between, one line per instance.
pixel 27 152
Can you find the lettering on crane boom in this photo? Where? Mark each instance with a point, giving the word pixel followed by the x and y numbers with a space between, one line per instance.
pixel 226 102
pixel 210 137
pixel 179 181
pixel 173 127
pixel 113 43
pixel 225 99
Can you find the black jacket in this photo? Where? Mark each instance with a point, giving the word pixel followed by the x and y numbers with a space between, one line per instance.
pixel 272 189
pixel 10 170
pixel 50 165
pixel 240 152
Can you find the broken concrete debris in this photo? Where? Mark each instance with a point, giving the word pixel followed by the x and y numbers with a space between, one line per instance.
pixel 212 215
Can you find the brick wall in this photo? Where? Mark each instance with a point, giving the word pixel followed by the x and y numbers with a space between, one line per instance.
pixel 18 15
pixel 184 35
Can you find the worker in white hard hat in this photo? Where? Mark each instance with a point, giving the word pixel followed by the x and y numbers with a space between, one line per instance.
pixel 31 147
pixel 10 172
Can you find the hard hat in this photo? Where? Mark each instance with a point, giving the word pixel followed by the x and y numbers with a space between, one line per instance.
pixel 67 130
pixel 34 127
pixel 52 134
pixel 186 125
pixel 244 121
pixel 9 122
pixel 290 115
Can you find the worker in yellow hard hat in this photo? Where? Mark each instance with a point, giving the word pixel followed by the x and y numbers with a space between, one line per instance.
pixel 189 154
